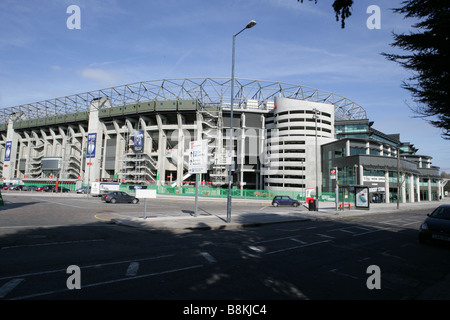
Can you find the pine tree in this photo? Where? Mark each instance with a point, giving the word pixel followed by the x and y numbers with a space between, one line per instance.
pixel 341 8
pixel 428 59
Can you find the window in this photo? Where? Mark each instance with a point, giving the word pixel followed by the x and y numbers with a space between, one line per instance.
pixel 355 150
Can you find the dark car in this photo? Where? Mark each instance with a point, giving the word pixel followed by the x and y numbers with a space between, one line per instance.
pixel 48 188
pixel 437 225
pixel 284 201
pixel 119 196
pixel 61 189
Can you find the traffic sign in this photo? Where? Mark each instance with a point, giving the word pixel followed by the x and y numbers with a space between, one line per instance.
pixel 198 156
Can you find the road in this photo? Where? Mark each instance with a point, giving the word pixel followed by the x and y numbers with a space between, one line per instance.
pixel 40 238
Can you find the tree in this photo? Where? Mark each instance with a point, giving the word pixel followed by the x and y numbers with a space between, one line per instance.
pixel 341 8
pixel 428 60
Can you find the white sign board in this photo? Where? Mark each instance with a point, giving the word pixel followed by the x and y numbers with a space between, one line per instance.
pixel 224 158
pixel 145 194
pixel 198 156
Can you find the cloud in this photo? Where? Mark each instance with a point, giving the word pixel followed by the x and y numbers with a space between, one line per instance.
pixel 103 77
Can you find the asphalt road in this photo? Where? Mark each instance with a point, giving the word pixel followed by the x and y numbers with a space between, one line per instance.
pixel 42 237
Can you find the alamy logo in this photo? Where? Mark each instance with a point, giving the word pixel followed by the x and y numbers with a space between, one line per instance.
pixel 74 20
pixel 73 281
pixel 374 280
pixel 374 21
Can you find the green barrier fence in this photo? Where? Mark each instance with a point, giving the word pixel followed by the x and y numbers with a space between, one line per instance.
pixel 223 193
pixel 70 186
pixel 218 192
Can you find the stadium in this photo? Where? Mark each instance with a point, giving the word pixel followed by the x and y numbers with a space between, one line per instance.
pixel 285 138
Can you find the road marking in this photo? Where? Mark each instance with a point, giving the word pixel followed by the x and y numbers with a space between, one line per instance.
pixel 9 286
pixel 50 244
pixel 362 228
pixel 65 204
pixel 273 240
pixel 208 257
pixel 343 230
pixel 87 267
pixel 344 274
pixel 325 236
pixel 299 241
pixel 132 269
pixel 255 249
pixel 111 282
pixel 298 247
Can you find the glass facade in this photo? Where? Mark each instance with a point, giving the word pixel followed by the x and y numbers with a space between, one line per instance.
pixel 365 156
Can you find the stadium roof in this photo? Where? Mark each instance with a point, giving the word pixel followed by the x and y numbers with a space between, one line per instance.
pixel 208 91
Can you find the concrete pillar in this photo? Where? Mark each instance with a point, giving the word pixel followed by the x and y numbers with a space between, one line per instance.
pixel 411 188
pixel 429 189
pixel 418 188
pixel 386 186
pixel 162 146
pixel 11 149
pixel 403 187
pixel 361 175
pixel 180 150
pixel 95 129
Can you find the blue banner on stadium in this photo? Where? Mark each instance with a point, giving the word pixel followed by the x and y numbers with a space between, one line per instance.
pixel 91 143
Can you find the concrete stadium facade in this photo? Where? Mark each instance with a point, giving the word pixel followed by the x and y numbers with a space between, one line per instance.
pixel 278 131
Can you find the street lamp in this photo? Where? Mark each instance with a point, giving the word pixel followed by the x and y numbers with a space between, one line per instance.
pixel 315 116
pixel 251 24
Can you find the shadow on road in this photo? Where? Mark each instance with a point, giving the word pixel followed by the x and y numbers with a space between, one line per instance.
pixel 291 261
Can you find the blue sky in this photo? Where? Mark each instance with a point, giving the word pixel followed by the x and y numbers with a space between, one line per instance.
pixel 123 42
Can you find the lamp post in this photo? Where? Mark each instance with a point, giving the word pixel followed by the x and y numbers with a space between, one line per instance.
pixel 251 24
pixel 315 111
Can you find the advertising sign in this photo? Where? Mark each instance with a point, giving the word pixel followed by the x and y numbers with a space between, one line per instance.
pixel 138 141
pixel 362 197
pixel 91 143
pixel 333 173
pixel 8 151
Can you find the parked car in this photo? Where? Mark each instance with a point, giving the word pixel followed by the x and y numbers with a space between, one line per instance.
pixel 61 189
pixel 17 187
pixel 41 188
pixel 30 188
pixel 437 225
pixel 48 188
pixel 119 196
pixel 83 190
pixel 284 201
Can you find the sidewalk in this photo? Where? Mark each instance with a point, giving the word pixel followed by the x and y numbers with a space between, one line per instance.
pixel 218 221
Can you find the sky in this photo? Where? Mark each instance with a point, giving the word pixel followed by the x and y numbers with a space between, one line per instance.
pixel 118 42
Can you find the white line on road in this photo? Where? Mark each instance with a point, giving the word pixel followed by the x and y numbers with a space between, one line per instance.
pixel 86 267
pixel 298 247
pixel 208 257
pixel 344 274
pixel 325 236
pixel 111 282
pixel 65 204
pixel 9 286
pixel 257 249
pixel 50 244
pixel 299 241
pixel 132 269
